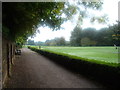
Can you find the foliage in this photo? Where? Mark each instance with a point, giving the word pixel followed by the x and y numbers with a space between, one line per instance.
pixel 102 19
pixel 23 18
pixel 39 43
pixel 87 42
pixel 56 42
pixel 104 37
pixel 89 33
pixel 94 5
pixel 116 33
pixel 30 42
pixel 92 37
pixel 75 38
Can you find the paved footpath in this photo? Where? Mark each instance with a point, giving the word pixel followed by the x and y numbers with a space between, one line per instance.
pixel 32 70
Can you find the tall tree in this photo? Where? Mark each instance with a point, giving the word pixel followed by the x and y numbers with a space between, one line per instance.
pixel 116 33
pixel 75 39
pixel 61 41
pixel 104 37
pixel 89 33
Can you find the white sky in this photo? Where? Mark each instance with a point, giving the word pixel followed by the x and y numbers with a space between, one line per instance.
pixel 110 7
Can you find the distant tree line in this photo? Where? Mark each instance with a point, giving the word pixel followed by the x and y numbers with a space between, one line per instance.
pixel 92 37
pixel 56 42
pixel 86 37
pixel 30 42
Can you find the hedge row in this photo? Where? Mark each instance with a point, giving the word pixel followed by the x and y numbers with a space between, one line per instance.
pixel 107 75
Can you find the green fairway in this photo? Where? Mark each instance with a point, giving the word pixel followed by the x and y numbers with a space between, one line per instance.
pixel 106 54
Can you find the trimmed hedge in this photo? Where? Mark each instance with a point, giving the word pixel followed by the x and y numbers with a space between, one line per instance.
pixel 107 75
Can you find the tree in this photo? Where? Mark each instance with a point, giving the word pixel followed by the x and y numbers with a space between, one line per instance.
pixel 56 42
pixel 75 39
pixel 30 42
pixel 87 42
pixel 23 18
pixel 89 33
pixel 67 43
pixel 116 33
pixel 39 43
pixel 93 37
pixel 104 37
pixel 47 42
pixel 61 41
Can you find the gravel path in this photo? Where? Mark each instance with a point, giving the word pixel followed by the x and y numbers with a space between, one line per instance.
pixel 32 70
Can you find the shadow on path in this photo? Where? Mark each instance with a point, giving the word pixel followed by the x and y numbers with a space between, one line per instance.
pixel 31 70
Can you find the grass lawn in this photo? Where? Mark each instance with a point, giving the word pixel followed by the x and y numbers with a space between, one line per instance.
pixel 106 54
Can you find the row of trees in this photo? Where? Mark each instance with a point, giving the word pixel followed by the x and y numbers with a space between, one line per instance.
pixel 53 42
pixel 30 42
pixel 56 42
pixel 86 37
pixel 91 37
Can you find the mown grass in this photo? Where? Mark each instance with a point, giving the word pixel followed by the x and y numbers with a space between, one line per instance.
pixel 100 55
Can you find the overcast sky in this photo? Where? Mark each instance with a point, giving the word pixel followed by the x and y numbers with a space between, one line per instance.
pixel 110 7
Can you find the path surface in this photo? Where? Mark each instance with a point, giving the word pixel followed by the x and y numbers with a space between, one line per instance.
pixel 32 70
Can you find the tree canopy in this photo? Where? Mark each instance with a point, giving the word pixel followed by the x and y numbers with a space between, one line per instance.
pixel 21 19
pixel 116 34
pixel 75 38
pixel 93 37
pixel 58 41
